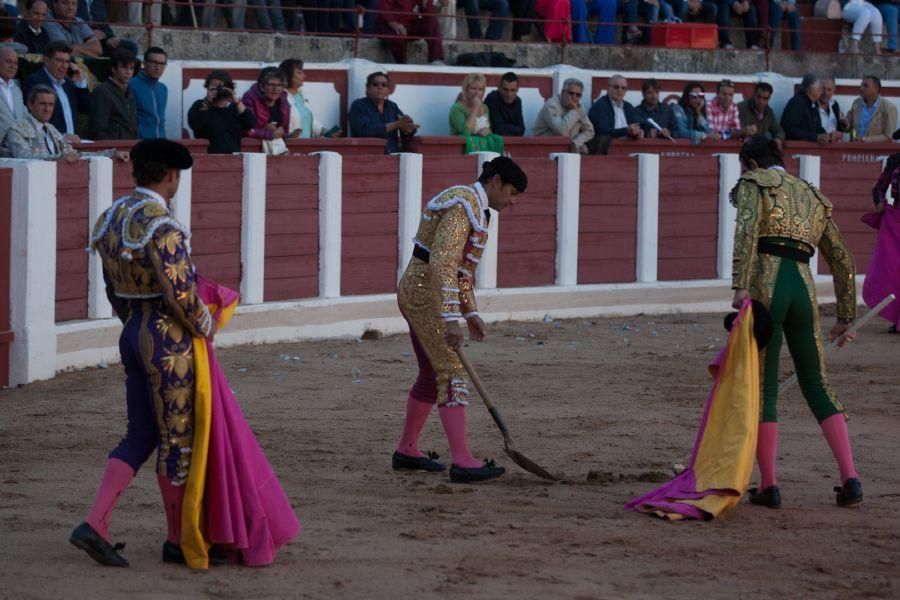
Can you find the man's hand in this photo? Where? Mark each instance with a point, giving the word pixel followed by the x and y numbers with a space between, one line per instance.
pixel 634 131
pixel 483 132
pixel 212 331
pixel 715 135
pixel 122 156
pixel 749 131
pixel 477 329
pixel 694 6
pixel 70 157
pixel 72 138
pixel 98 33
pixel 277 132
pixel 397 27
pixel 823 139
pixel 780 143
pixel 453 335
pixel 839 330
pixel 78 74
pixel 739 296
pixel 113 42
pixel 836 136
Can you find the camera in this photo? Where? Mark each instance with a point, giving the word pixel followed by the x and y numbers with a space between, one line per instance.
pixel 223 93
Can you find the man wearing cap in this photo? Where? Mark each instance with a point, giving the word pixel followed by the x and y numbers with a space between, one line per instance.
pixel 150 284
pixel 437 290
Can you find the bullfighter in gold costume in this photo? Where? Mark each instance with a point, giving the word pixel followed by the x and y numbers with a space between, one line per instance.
pixel 781 220
pixel 436 290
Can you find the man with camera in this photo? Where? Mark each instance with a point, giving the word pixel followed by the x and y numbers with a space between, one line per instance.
pixel 69 83
pixel 220 117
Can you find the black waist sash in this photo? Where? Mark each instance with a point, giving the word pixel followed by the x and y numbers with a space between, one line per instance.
pixel 795 254
pixel 421 253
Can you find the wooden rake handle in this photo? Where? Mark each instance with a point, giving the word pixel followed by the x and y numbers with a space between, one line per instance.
pixel 485 397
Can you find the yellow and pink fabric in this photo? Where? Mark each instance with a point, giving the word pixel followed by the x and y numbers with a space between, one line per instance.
pixel 232 497
pixel 725 447
pixel 883 273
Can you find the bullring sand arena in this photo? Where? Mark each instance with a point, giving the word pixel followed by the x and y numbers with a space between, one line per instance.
pixel 613 404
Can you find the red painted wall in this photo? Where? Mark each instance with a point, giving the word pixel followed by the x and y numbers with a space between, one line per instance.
pixel 369 245
pixel 6 336
pixel 607 219
pixel 216 217
pixel 292 228
pixel 688 217
pixel 441 172
pixel 527 245
pixel 72 230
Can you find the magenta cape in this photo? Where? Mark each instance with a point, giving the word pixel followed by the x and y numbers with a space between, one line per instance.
pixel 244 507
pixel 724 450
pixel 883 274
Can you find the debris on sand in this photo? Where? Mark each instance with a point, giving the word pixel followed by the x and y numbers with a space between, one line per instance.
pixel 443 488
pixel 372 334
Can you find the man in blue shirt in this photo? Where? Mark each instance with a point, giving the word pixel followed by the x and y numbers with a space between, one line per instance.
pixel 376 116
pixel 151 94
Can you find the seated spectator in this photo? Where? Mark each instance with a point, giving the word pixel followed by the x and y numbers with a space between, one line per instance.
pixel 523 12
pixel 470 118
pixel 377 117
pixel 35 136
pixel 151 94
pixel 8 33
pixel 612 116
pixel 722 112
pixel 872 117
pixel 605 10
pixel 555 13
pixel 696 11
pixel 652 109
pixel 757 118
pixel 72 95
pixel 833 120
pixel 505 107
pixel 268 14
pixel 94 14
pixel 113 107
pixel 890 13
pixel 405 28
pixel 800 119
pixel 326 16
pixel 780 11
pixel 862 15
pixel 30 30
pixel 301 116
pixel 12 107
pixel 563 115
pixel 269 103
pixel 690 115
pixel 499 10
pixel 220 117
pixel 746 11
pixel 67 27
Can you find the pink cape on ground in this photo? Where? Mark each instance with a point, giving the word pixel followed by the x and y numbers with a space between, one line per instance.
pixel 245 506
pixel 883 273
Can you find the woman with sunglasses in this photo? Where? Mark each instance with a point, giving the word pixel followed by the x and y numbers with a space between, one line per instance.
pixel 690 115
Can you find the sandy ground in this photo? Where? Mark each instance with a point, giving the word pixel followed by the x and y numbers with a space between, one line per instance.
pixel 621 397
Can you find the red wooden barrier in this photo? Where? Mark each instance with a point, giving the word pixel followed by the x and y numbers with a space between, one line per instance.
pixel 607 219
pixel 439 173
pixel 527 245
pixel 688 217
pixel 6 335
pixel 216 195
pixel 72 229
pixel 517 147
pixel 292 228
pixel 343 146
pixel 369 251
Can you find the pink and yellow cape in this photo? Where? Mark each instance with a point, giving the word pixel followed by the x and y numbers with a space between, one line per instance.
pixel 883 273
pixel 725 447
pixel 232 497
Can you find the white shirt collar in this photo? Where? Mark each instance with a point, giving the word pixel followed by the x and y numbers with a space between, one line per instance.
pixel 482 196
pixel 776 168
pixel 153 196
pixel 37 124
pixel 58 82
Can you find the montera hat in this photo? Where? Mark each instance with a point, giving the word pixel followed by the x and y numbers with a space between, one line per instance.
pixel 160 150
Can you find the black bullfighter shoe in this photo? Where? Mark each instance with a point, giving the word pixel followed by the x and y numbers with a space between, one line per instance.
pixel 402 462
pixel 849 494
pixel 171 553
pixel 86 538
pixel 769 497
pixel 475 474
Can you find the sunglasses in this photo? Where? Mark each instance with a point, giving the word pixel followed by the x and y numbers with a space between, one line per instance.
pixel 619 87
pixel 695 95
pixel 571 93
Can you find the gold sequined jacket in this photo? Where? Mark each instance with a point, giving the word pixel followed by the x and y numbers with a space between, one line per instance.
pixel 453 230
pixel 774 204
pixel 145 255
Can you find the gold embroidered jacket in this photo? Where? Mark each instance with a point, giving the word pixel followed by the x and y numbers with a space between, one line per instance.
pixel 145 255
pixel 454 230
pixel 774 204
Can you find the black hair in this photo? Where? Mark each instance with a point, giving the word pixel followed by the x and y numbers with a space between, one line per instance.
pixel 37 90
pixel 288 66
pixel 510 77
pixel 766 87
pixel 270 73
pixel 763 150
pixel 875 80
pixel 56 46
pixel 685 101
pixel 154 50
pixel 222 76
pixel 508 171
pixel 122 57
pixel 29 4
pixel 372 77
pixel 650 84
pixel 149 172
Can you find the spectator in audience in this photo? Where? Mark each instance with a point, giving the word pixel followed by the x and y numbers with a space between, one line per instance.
pixel 470 118
pixel 301 116
pixel 651 108
pixel 612 116
pixel 268 14
pixel 113 108
pixel 861 15
pixel 93 12
pixel 606 10
pixel 30 31
pixel 800 119
pixel 151 94
pixel 781 10
pixel 696 11
pixel 890 12
pixel 499 10
pixel 564 115
pixel 555 13
pixel 722 113
pixel 330 20
pixel 757 118
pixel 872 117
pixel 690 115
pixel 12 107
pixel 67 27
pixel 377 117
pixel 220 117
pixel 523 11
pixel 70 84
pixel 8 32
pixel 268 101
pixel 744 10
pixel 34 136
pixel 505 107
pixel 404 28
pixel 833 121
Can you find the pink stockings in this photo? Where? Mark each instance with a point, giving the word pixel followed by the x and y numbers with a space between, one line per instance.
pixel 417 413
pixel 454 422
pixel 173 499
pixel 836 434
pixel 116 477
